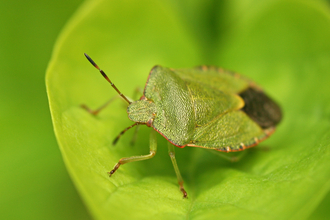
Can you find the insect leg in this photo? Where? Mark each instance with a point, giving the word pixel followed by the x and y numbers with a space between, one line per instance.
pixel 176 168
pixel 135 135
pixel 95 112
pixel 138 92
pixel 232 158
pixel 153 150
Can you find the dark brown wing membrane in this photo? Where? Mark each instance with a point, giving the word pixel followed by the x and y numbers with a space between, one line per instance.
pixel 261 109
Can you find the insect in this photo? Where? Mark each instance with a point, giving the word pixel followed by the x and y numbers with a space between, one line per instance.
pixel 205 107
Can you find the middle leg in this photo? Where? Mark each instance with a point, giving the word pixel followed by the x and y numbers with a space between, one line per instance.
pixel 176 169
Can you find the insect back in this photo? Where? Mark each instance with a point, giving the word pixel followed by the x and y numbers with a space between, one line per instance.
pixel 232 113
pixel 204 107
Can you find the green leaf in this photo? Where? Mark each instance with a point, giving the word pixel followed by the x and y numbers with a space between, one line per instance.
pixel 282 45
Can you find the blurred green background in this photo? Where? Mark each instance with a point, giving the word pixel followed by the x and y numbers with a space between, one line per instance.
pixel 34 182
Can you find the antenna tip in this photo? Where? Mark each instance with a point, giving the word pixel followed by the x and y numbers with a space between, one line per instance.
pixel 91 61
pixel 115 141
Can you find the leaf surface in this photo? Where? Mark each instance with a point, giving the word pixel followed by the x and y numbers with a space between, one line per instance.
pixel 282 45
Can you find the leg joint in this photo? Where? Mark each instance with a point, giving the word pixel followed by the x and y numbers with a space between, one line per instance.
pixel 172 154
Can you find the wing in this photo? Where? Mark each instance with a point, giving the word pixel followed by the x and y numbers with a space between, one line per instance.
pixel 261 109
pixel 217 78
pixel 233 131
pixel 209 103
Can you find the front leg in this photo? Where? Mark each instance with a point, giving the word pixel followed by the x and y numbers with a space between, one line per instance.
pixel 153 150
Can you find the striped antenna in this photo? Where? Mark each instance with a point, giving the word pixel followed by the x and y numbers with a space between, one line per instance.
pixel 106 77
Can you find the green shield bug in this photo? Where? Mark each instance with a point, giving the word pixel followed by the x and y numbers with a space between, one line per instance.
pixel 204 107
